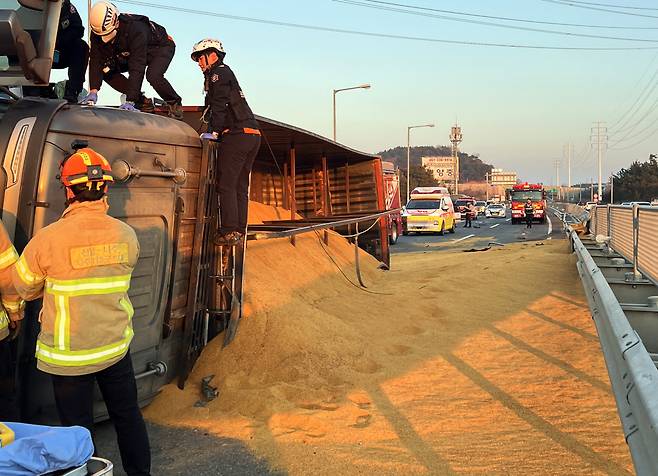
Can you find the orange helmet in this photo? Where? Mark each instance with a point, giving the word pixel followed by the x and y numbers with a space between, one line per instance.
pixel 88 167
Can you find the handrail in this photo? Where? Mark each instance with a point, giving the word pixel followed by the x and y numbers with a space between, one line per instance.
pixel 632 372
pixel 266 235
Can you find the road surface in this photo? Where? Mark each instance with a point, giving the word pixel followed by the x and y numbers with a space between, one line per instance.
pixel 484 231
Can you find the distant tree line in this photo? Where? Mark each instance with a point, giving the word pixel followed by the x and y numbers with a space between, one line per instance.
pixel 471 168
pixel 639 182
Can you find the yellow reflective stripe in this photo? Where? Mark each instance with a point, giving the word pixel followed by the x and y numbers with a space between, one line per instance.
pixel 13 306
pixel 4 320
pixel 61 334
pixel 82 287
pixel 24 272
pixel 127 306
pixel 79 358
pixel 8 257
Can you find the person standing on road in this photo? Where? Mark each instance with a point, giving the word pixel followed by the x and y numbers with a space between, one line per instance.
pixel 469 213
pixel 231 122
pixel 81 265
pixel 529 213
pixel 71 51
pixel 134 44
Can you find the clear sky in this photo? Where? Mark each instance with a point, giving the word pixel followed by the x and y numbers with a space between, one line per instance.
pixel 517 107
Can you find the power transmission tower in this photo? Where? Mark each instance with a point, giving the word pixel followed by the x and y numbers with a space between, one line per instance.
pixel 456 139
pixel 567 153
pixel 557 177
pixel 599 138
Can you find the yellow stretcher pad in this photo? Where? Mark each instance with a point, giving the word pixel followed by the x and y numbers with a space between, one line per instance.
pixel 99 255
pixel 6 435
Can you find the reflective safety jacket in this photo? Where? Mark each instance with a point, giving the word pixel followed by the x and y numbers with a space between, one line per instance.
pixel 12 304
pixel 81 265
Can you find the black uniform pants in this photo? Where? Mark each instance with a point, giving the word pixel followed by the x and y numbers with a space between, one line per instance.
pixel 235 158
pixel 74 400
pixel 528 221
pixel 468 223
pixel 157 63
pixel 75 57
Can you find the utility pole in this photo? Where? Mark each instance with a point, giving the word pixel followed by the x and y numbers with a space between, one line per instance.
pixel 456 139
pixel 486 177
pixel 557 177
pixel 612 189
pixel 409 154
pixel 599 138
pixel 591 189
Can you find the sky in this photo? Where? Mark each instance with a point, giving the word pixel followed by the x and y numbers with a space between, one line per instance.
pixel 517 107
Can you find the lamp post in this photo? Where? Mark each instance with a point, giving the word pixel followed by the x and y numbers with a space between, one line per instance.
pixel 362 86
pixel 409 152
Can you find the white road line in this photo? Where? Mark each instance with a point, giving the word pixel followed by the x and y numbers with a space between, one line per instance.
pixel 509 219
pixel 494 226
pixel 464 238
pixel 550 225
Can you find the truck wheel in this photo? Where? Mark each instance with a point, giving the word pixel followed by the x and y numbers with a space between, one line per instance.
pixel 393 237
pixel 405 232
pixel 514 221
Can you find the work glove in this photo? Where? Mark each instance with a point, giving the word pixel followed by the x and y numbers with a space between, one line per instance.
pixel 208 136
pixel 14 329
pixel 90 99
pixel 128 106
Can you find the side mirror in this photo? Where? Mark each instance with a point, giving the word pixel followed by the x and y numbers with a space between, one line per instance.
pixel 445 208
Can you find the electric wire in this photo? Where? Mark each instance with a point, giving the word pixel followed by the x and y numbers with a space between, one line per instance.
pixel 628 7
pixel 382 35
pixel 487 23
pixel 512 19
pixel 642 93
pixel 568 3
pixel 629 128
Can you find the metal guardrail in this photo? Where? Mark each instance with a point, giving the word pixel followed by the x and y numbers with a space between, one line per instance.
pixel 633 232
pixel 632 372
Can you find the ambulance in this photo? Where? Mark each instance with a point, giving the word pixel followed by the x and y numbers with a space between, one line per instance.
pixel 430 210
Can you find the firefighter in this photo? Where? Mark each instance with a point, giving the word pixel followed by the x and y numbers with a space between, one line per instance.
pixel 81 266
pixel 134 44
pixel 469 212
pixel 71 51
pixel 529 213
pixel 231 122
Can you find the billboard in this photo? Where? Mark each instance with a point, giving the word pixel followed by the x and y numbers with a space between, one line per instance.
pixel 443 168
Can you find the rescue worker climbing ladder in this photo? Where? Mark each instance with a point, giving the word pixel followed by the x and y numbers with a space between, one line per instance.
pixel 82 266
pixel 232 123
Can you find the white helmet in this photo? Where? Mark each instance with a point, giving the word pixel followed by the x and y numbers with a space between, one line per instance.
pixel 104 20
pixel 205 45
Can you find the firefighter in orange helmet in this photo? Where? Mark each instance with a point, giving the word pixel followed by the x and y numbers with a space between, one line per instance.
pixel 82 265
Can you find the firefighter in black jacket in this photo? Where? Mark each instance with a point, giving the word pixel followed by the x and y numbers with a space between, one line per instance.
pixel 231 122
pixel 71 51
pixel 529 213
pixel 130 43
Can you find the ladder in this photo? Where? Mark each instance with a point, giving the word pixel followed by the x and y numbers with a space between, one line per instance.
pixel 214 301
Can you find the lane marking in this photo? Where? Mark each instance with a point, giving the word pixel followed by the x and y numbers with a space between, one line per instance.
pixel 550 224
pixel 494 226
pixel 464 238
pixel 509 219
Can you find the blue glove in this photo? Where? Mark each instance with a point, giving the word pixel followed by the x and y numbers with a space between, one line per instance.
pixel 128 106
pixel 208 136
pixel 90 99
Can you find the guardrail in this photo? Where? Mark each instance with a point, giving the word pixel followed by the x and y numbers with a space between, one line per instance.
pixel 633 233
pixel 632 372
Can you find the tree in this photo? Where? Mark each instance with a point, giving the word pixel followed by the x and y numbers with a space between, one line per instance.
pixel 639 182
pixel 420 177
pixel 471 169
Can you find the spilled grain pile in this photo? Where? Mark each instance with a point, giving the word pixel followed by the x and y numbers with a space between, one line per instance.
pixel 474 363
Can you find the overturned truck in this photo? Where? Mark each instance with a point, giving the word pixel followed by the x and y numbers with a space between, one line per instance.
pixel 184 289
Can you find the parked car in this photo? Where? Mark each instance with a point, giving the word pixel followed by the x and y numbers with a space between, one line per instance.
pixel 460 206
pixel 641 204
pixel 589 205
pixel 481 206
pixel 497 210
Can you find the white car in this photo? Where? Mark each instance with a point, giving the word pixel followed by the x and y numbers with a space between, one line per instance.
pixel 495 210
pixel 589 205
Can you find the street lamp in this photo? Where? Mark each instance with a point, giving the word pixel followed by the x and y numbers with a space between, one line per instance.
pixel 362 86
pixel 409 152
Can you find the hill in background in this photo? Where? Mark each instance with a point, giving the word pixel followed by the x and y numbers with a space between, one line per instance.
pixel 471 168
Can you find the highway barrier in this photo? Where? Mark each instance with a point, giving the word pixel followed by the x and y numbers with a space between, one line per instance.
pixel 619 271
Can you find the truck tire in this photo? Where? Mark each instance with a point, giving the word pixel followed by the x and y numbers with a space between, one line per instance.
pixel 393 237
pixel 514 221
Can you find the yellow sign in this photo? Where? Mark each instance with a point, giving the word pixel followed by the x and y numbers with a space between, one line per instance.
pixel 99 255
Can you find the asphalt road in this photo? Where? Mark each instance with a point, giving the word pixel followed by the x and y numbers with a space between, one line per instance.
pixel 483 232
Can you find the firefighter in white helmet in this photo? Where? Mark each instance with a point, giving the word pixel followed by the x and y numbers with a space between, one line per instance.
pixel 81 265
pixel 121 43
pixel 231 122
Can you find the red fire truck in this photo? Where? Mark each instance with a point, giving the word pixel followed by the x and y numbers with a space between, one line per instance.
pixel 393 201
pixel 520 194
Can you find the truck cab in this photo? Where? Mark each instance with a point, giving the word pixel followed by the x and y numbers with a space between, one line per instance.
pixel 520 195
pixel 429 210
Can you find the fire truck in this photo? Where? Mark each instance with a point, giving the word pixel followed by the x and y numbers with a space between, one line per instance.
pixel 393 201
pixel 520 194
